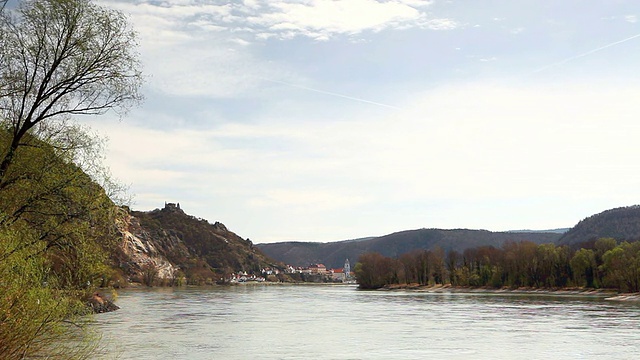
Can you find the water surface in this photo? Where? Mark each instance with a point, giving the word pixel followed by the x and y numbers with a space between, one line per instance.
pixel 341 322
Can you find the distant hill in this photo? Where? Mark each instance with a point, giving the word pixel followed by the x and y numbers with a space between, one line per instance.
pixel 556 231
pixel 333 254
pixel 620 223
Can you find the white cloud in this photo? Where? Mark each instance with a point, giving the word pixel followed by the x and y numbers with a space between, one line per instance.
pixel 325 18
pixel 200 48
pixel 317 19
pixel 441 24
pixel 631 18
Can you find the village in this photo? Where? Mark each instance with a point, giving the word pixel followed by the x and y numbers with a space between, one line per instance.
pixel 312 273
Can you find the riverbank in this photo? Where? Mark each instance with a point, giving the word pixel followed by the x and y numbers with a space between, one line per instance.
pixel 605 293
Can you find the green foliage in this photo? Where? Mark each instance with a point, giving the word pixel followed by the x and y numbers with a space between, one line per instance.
pixel 58 58
pixel 515 265
pixel 621 266
pixel 583 266
pixel 56 229
pixel 37 317
pixel 66 213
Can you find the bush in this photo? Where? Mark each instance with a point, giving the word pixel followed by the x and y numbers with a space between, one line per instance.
pixel 36 318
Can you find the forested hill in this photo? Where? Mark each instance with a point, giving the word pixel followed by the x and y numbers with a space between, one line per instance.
pixel 620 223
pixel 173 243
pixel 333 254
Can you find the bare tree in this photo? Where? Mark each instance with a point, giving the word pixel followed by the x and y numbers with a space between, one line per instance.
pixel 60 58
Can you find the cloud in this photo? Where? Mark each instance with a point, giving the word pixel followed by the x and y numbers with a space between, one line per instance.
pixel 323 19
pixel 206 49
pixel 316 19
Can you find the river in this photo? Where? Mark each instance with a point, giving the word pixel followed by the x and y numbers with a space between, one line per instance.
pixel 341 322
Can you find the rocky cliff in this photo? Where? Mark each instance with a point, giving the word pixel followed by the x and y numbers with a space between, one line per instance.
pixel 167 245
pixel 141 250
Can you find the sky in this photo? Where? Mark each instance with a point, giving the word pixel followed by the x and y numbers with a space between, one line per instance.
pixel 327 120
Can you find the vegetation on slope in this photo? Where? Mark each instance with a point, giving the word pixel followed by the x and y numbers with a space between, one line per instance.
pixel 620 223
pixel 203 252
pixel 393 245
pixel 56 234
pixel 58 58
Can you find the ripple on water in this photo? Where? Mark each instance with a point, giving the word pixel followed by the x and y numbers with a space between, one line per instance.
pixel 301 322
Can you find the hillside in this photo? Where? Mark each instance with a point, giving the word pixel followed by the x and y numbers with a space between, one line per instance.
pixel 620 223
pixel 333 254
pixel 176 244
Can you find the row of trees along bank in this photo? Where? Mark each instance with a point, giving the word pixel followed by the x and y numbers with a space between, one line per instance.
pixel 604 263
pixel 58 59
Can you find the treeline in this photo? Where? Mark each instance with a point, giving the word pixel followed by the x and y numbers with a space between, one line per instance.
pixel 604 263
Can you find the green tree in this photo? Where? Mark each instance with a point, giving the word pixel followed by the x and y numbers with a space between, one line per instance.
pixel 553 266
pixel 61 207
pixel 58 59
pixel 37 317
pixel 61 58
pixel 583 266
pixel 621 267
pixel 601 246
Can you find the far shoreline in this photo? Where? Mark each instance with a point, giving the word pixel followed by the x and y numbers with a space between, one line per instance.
pixel 607 294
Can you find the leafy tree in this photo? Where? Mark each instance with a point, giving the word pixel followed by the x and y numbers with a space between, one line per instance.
pixel 601 246
pixel 56 229
pixel 517 264
pixel 58 59
pixel 37 318
pixel 553 266
pixel 373 271
pixel 61 207
pixel 61 58
pixel 622 267
pixel 583 266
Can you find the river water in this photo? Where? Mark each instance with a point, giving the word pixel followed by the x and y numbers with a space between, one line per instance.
pixel 341 322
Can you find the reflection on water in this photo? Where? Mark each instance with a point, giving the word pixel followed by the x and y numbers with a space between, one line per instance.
pixel 340 322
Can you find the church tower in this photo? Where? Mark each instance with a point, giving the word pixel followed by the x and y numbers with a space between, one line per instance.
pixel 347 269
